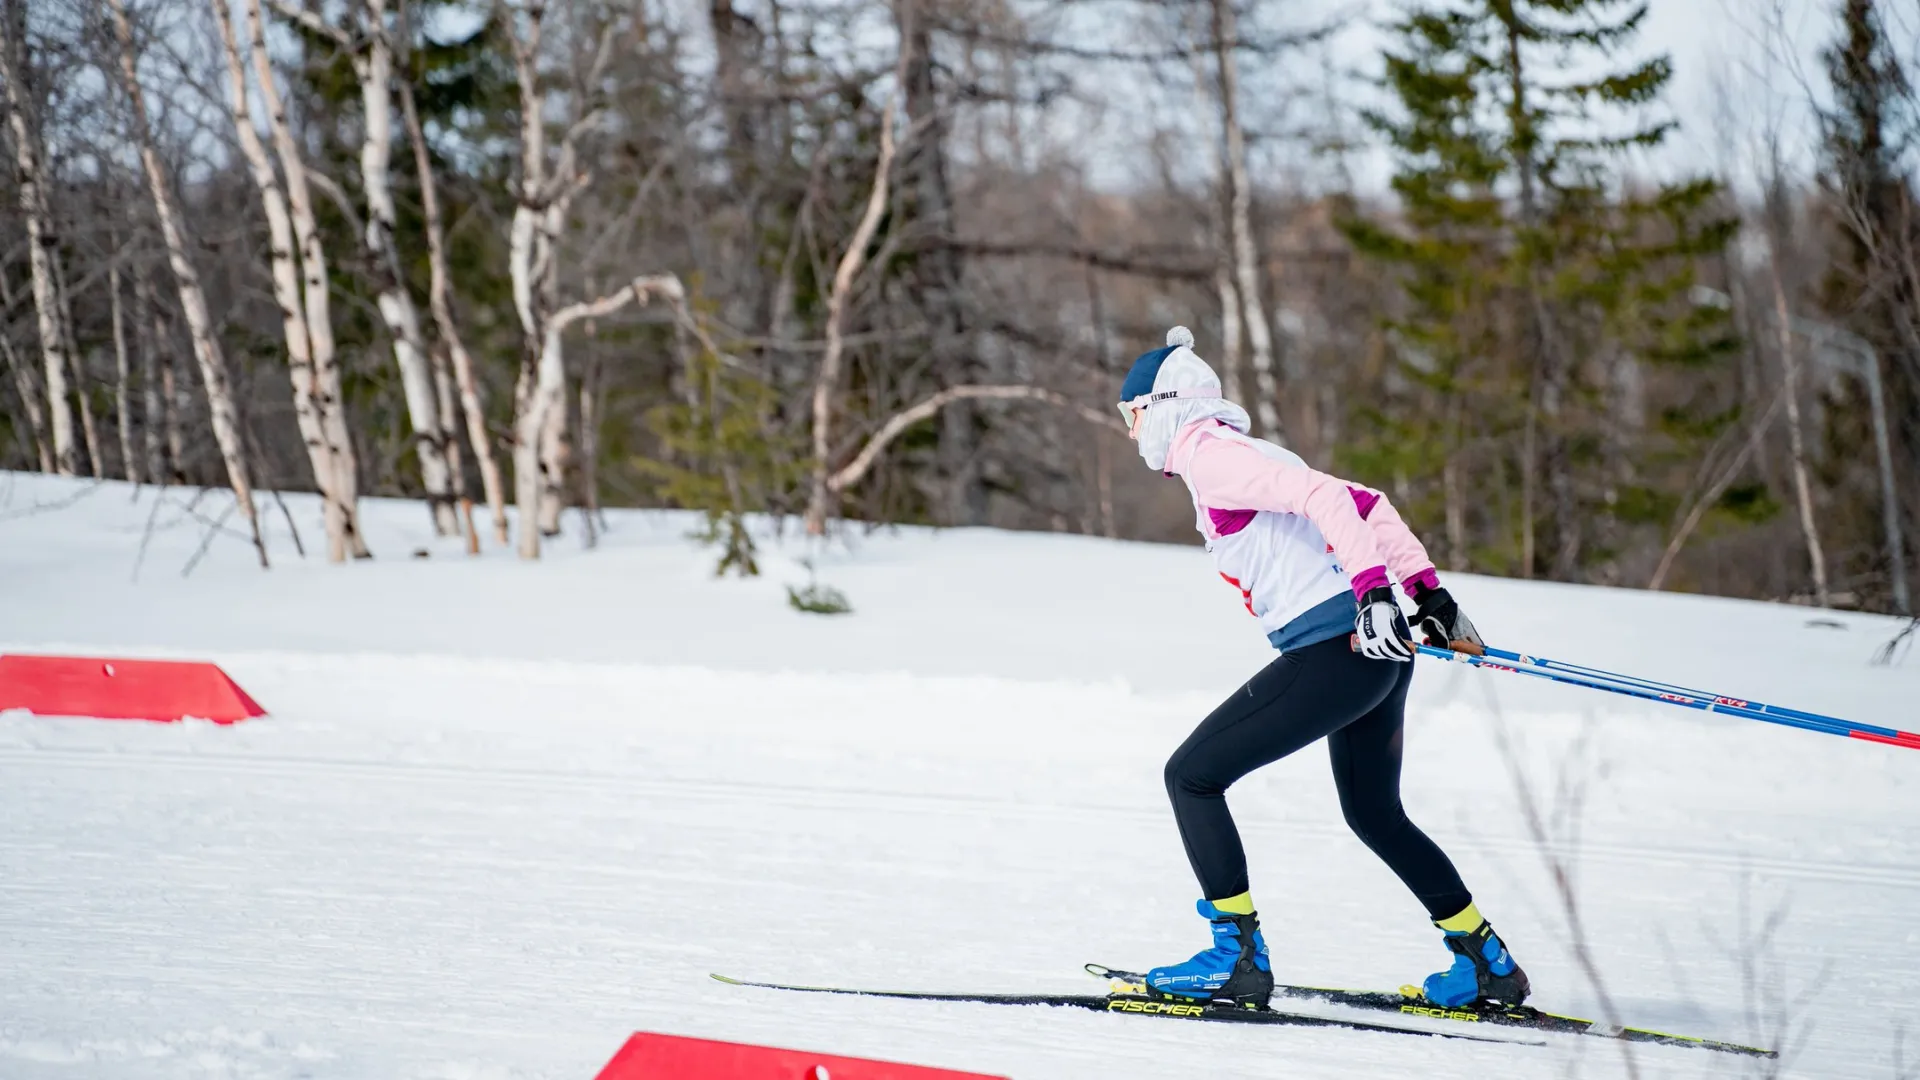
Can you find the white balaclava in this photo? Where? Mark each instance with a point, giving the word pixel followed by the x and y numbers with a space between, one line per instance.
pixel 1179 371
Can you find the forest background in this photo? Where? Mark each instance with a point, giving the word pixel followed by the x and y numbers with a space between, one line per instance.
pixel 1585 314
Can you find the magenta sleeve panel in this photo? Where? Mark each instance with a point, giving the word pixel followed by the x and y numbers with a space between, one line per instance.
pixel 1405 555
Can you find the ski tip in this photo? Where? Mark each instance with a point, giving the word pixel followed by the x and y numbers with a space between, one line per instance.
pixel 724 979
pixel 1099 971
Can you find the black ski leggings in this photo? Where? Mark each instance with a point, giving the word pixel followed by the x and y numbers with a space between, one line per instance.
pixel 1322 691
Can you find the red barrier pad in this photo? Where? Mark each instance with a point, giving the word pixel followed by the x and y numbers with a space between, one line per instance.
pixel 122 689
pixel 648 1056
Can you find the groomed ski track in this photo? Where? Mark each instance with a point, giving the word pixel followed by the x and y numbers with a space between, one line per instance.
pixel 503 815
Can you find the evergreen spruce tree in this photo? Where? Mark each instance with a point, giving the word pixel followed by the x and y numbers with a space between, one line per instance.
pixel 1454 257
pixel 1546 291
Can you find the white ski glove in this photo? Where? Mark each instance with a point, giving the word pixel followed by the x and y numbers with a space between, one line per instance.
pixel 1380 630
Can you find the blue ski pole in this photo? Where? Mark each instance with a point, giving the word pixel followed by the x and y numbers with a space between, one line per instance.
pixel 1649 690
pixel 1719 699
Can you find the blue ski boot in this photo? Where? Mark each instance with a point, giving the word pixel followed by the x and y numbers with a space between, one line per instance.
pixel 1482 971
pixel 1235 970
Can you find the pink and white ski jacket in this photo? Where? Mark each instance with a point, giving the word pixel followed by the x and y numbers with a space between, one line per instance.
pixel 1288 537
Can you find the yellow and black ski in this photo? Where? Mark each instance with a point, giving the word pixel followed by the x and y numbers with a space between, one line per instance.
pixel 1410 1002
pixel 1126 1004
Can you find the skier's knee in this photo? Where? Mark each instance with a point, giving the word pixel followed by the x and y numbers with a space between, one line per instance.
pixel 1173 776
pixel 1373 819
pixel 1183 779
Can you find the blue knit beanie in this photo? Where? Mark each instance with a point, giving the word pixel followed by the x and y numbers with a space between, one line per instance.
pixel 1139 381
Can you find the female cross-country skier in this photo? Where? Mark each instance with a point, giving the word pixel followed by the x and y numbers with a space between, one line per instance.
pixel 1311 556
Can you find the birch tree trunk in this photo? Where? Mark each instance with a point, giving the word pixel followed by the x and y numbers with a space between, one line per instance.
pixel 317 400
pixel 1266 405
pixel 1796 441
pixel 285 274
pixel 281 261
pixel 30 181
pixel 1219 237
pixel 96 463
pixel 542 391
pixel 440 301
pixel 1230 333
pixel 28 390
pixel 447 408
pixel 538 394
pixel 374 68
pixel 155 411
pixel 590 411
pixel 539 214
pixel 170 405
pixel 828 379
pixel 206 347
pixel 528 256
pixel 122 384
pixel 83 364
pixel 29 401
pixel 556 453
pixel 553 436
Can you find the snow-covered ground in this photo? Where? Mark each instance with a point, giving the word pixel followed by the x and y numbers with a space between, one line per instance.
pixel 504 814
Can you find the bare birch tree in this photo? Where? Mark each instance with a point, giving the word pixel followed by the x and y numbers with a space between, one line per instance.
pixel 89 430
pixel 25 386
pixel 440 300
pixel 1777 226
pixel 42 246
pixel 1230 332
pixel 827 380
pixel 283 271
pixel 544 194
pixel 153 345
pixel 1220 237
pixel 206 347
pixel 374 67
pixel 369 50
pixel 1246 266
pixel 170 399
pixel 122 385
pixel 308 324
pixel 29 395
pixel 547 392
pixel 1796 437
